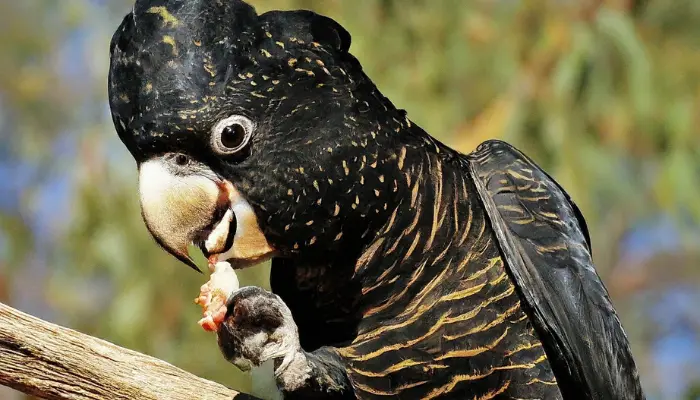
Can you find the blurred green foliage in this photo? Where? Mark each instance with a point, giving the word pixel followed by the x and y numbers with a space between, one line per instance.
pixel 603 94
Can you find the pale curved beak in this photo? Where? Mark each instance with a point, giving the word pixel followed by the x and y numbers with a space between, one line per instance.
pixel 199 208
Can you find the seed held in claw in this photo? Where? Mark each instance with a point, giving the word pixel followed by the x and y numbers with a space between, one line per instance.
pixel 214 294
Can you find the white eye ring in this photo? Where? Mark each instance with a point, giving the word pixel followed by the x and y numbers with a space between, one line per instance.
pixel 232 134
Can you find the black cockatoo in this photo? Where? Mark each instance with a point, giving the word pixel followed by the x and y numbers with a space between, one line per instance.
pixel 401 268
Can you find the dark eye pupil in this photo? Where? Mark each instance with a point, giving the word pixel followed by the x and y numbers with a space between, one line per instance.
pixel 233 136
pixel 181 159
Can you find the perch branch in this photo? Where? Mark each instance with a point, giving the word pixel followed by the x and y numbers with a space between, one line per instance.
pixel 52 362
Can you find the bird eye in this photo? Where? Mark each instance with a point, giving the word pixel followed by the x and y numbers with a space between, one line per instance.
pixel 232 134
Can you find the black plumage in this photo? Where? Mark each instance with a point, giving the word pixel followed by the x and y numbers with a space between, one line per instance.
pixel 411 270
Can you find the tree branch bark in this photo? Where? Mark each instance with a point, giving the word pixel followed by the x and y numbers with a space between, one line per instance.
pixel 52 362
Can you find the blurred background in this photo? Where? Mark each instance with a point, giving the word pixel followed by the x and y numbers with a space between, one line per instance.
pixel 605 94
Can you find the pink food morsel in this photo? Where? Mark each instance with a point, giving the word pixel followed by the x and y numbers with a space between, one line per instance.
pixel 213 295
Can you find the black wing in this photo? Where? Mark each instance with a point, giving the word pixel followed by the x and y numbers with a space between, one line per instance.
pixel 544 240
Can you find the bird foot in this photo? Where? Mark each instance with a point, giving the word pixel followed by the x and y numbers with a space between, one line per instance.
pixel 259 327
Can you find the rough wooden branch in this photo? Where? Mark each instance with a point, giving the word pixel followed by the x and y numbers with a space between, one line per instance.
pixel 49 361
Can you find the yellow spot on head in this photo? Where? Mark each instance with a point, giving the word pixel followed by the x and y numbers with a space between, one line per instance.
pixel 168 18
pixel 280 44
pixel 266 53
pixel 171 41
pixel 292 62
pixel 306 71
